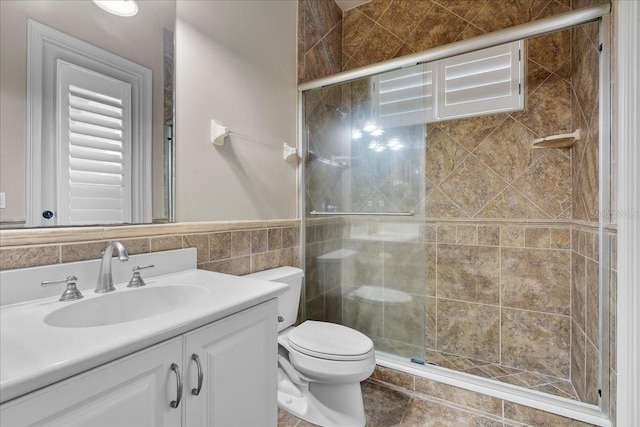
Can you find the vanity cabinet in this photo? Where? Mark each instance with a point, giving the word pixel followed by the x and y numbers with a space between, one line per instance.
pixel 238 358
pixel 235 355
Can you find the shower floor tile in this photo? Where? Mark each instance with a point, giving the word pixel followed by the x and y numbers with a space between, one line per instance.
pixel 532 380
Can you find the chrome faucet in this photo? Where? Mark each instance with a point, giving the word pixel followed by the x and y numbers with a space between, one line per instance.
pixel 105 279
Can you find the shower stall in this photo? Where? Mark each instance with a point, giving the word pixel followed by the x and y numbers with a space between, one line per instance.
pixel 452 213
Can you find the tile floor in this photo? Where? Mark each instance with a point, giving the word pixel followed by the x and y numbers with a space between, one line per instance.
pixel 387 407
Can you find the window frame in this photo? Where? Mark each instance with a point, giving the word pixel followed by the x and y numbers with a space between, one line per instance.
pixel 44 46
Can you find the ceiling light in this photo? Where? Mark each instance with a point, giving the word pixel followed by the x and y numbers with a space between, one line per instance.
pixel 118 7
pixel 369 127
pixel 395 144
pixel 356 134
pixel 377 132
pixel 376 146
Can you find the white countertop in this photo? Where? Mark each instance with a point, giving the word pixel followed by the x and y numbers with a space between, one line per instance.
pixel 34 354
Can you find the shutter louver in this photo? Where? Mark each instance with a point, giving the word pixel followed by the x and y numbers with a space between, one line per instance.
pixel 94 147
pixel 481 82
pixel 405 96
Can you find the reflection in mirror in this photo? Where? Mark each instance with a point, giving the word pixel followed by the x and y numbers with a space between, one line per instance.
pixel 145 40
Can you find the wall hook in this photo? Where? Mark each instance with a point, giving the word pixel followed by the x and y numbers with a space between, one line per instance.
pixel 288 151
pixel 218 132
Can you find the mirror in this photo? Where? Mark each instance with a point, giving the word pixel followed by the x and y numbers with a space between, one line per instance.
pixel 146 39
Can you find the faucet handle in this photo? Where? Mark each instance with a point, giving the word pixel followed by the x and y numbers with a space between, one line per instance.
pixel 137 281
pixel 71 293
pixel 137 267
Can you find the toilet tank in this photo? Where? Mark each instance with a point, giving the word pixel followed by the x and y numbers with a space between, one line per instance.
pixel 287 302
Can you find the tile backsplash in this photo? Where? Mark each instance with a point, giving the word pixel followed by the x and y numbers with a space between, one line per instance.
pixel 228 247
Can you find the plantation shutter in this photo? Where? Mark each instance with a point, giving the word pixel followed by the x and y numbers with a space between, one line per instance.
pixel 404 97
pixel 481 82
pixel 94 147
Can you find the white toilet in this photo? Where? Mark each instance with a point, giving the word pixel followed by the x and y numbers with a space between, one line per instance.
pixel 320 364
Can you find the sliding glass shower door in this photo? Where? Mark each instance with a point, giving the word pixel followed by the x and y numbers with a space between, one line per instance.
pixel 365 189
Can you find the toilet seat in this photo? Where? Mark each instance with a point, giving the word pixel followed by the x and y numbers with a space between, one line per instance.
pixel 330 341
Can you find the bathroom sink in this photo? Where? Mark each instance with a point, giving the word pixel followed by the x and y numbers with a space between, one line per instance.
pixel 125 306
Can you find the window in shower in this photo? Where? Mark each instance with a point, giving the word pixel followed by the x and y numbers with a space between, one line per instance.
pixel 481 82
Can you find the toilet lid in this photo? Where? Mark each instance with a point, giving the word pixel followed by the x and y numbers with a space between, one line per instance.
pixel 330 341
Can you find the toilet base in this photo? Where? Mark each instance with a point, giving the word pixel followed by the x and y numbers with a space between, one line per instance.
pixel 326 405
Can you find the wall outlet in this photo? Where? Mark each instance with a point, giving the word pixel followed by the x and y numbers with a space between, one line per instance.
pixel 3 200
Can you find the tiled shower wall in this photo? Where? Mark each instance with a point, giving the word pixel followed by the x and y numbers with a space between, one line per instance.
pixel 515 277
pixel 484 169
pixel 319 39
pixel 585 326
pixel 479 169
pixel 323 276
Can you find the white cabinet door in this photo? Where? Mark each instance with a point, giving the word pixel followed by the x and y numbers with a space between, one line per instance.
pixel 238 359
pixel 132 391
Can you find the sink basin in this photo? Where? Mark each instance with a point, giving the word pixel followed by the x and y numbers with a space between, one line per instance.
pixel 124 306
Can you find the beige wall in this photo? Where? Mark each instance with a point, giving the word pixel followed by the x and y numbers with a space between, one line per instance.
pixel 235 64
pixel 137 38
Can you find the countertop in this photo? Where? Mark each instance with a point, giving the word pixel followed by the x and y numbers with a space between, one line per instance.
pixel 34 354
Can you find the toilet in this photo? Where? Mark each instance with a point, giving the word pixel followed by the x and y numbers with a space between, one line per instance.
pixel 320 364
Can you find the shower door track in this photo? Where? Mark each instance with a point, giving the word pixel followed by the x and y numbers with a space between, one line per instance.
pixel 507 35
pixel 408 213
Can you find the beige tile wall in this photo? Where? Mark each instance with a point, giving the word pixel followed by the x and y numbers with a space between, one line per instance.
pixel 585 116
pixel 585 312
pixel 516 277
pixel 233 248
pixel 319 39
pixel 323 281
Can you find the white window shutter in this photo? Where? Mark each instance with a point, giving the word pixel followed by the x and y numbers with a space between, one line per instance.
pixel 481 82
pixel 94 147
pixel 404 97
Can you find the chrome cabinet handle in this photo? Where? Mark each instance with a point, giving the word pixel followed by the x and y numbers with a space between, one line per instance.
pixel 196 391
pixel 174 403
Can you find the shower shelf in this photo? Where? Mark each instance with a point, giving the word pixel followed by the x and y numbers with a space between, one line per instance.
pixel 564 140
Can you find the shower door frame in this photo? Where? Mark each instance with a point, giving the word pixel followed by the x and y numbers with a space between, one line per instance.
pixel 599 414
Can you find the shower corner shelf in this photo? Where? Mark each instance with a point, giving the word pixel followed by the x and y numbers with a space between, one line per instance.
pixel 564 140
